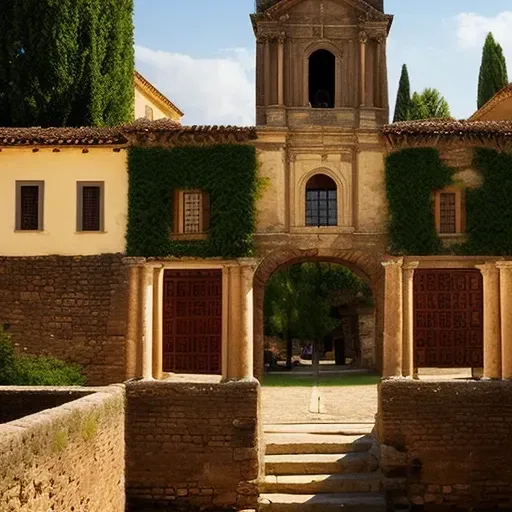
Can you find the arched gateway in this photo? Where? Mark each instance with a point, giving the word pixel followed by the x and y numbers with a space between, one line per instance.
pixel 363 264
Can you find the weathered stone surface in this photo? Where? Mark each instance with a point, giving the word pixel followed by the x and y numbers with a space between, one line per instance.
pixel 185 447
pixel 73 308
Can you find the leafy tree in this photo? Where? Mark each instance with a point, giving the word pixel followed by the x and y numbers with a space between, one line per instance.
pixel 66 62
pixel 429 105
pixel 403 98
pixel 493 71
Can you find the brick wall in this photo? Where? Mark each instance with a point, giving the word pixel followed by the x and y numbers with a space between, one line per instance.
pixel 67 458
pixel 192 444
pixel 449 441
pixel 74 308
pixel 17 402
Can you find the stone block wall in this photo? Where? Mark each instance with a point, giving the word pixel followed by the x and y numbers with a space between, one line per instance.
pixel 73 308
pixel 192 444
pixel 366 319
pixel 67 458
pixel 447 443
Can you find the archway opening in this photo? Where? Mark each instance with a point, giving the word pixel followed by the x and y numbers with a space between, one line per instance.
pixel 321 201
pixel 319 343
pixel 322 79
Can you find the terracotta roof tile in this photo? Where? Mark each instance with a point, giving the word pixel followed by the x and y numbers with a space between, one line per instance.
pixel 448 127
pixel 86 136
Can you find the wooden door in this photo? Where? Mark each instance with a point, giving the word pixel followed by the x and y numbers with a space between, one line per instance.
pixel 448 319
pixel 192 321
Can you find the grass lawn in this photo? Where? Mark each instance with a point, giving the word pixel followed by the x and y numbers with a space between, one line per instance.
pixel 297 380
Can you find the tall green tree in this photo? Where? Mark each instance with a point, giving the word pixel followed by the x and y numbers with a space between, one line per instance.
pixel 66 62
pixel 429 105
pixel 493 71
pixel 403 97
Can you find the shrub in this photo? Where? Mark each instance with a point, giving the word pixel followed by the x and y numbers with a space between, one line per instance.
pixel 28 370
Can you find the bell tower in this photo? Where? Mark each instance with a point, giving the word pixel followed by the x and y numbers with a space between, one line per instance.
pixel 321 63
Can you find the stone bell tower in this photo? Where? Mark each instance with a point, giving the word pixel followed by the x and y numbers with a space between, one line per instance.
pixel 321 63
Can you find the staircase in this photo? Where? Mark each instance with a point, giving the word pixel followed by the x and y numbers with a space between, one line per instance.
pixel 321 468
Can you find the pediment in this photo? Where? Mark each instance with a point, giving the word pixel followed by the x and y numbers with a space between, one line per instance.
pixel 498 108
pixel 341 9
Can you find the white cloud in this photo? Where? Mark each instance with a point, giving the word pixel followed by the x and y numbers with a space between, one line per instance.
pixel 472 30
pixel 209 90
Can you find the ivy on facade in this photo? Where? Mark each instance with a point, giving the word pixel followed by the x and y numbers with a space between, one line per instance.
pixel 227 173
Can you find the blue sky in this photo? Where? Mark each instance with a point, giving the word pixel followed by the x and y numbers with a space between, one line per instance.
pixel 201 52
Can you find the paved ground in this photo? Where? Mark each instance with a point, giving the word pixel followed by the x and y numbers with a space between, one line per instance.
pixel 301 404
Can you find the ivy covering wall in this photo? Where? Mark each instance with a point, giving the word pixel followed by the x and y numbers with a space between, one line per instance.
pixel 411 177
pixel 228 173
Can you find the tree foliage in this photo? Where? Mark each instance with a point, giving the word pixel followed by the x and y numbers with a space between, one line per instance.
pixel 493 71
pixel 403 98
pixel 428 105
pixel 66 62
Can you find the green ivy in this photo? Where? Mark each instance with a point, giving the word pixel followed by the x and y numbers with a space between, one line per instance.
pixel 411 176
pixel 489 207
pixel 227 172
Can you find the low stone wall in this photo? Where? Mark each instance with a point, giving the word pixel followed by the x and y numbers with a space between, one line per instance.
pixel 73 308
pixel 192 445
pixel 67 458
pixel 447 443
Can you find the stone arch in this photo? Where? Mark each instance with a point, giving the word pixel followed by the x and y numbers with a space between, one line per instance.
pixel 344 204
pixel 363 264
pixel 334 50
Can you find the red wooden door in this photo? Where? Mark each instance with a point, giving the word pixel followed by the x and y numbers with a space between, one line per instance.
pixel 448 319
pixel 192 321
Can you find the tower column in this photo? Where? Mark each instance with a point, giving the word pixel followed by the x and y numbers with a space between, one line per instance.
pixel 363 38
pixel 267 73
pixel 280 69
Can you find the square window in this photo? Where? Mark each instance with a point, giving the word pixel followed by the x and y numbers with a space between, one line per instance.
pixel 90 206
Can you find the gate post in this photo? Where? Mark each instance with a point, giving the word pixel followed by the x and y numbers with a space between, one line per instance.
pixel 492 333
pixel 408 313
pixel 505 268
pixel 147 322
pixel 393 318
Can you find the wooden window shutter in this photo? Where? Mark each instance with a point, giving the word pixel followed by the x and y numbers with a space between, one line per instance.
pixel 175 212
pixel 91 208
pixel 206 211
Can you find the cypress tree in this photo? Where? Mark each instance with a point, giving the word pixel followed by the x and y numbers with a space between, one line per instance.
pixel 403 98
pixel 66 62
pixel 493 71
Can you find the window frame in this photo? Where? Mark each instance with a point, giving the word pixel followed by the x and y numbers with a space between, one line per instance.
pixel 178 231
pixel 460 214
pixel 328 210
pixel 40 206
pixel 80 185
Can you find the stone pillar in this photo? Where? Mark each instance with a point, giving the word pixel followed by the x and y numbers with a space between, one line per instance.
pixel 133 327
pixel 246 346
pixel 492 334
pixel 267 72
pixel 393 319
pixel 363 38
pixel 505 269
pixel 234 326
pixel 408 314
pixel 280 70
pixel 147 322
pixel 158 348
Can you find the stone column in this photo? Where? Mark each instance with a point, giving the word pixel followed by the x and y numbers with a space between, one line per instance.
pixel 280 70
pixel 234 324
pixel 246 346
pixel 158 348
pixel 363 38
pixel 492 334
pixel 147 322
pixel 505 269
pixel 133 331
pixel 393 319
pixel 408 314
pixel 267 73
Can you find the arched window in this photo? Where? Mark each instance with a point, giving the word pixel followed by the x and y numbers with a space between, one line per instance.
pixel 322 78
pixel 321 201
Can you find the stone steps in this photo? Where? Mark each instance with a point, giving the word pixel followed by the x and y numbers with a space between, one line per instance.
pixel 282 443
pixel 316 484
pixel 322 503
pixel 349 429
